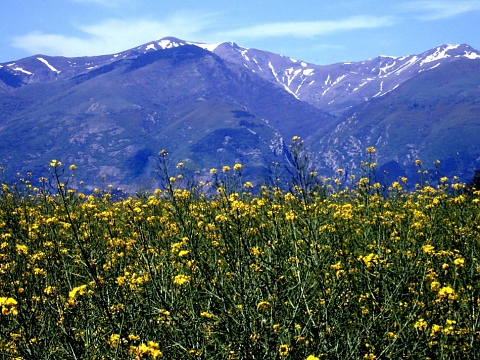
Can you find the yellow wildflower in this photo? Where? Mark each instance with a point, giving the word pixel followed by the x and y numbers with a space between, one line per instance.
pixel 21 249
pixel 435 328
pixel 449 327
pixel 149 349
pixel 114 340
pixel 420 325
pixel 248 185
pixel 181 279
pixel 77 290
pixel 447 292
pixel 49 289
pixel 459 262
pixel 368 259
pixel 255 251
pixel 207 315
pixel 283 350
pixel 289 216
pixel 428 249
pixel 336 266
pixel 263 305
pixel 183 253
pixel 435 286
pixel 8 306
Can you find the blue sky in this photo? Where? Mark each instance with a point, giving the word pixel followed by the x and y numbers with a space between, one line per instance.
pixel 321 32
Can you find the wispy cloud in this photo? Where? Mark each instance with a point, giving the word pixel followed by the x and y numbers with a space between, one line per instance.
pixel 113 35
pixel 305 29
pixel 436 10
pixel 107 3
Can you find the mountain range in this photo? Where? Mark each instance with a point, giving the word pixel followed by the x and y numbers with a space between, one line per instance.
pixel 218 104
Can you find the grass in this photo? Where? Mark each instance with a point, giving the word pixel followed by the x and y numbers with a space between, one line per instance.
pixel 213 271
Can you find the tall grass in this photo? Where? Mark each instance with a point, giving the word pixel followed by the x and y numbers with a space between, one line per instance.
pixel 316 272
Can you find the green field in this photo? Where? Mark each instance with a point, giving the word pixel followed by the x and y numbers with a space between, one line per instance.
pixel 221 270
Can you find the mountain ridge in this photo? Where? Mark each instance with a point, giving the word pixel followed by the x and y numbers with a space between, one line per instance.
pixel 113 120
pixel 334 88
pixel 218 104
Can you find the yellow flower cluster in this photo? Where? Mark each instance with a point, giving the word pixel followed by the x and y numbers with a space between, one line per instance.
pixel 79 290
pixel 263 305
pixel 148 350
pixel 219 270
pixel 9 306
pixel 181 279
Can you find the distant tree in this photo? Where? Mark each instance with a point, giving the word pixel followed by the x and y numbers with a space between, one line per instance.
pixel 475 182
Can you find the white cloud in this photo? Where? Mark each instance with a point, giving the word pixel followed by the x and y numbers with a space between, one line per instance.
pixel 112 35
pixel 108 3
pixel 115 35
pixel 305 29
pixel 435 10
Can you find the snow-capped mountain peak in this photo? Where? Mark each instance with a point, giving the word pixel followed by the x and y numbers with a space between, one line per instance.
pixel 171 42
pixel 337 87
pixel 333 88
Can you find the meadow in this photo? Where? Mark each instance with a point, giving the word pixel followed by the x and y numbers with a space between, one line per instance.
pixel 228 270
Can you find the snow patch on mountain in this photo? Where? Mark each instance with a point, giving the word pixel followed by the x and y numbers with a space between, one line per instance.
pixel 440 53
pixel 168 44
pixel 380 92
pixel 208 47
pixel 291 74
pixel 327 80
pixel 48 65
pixel 430 68
pixel 22 70
pixel 276 77
pixel 385 68
pixel 406 65
pixel 273 70
pixel 340 78
pixel 244 54
pixel 471 55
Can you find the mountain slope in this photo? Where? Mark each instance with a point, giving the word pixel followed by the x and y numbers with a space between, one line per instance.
pixel 432 116
pixel 114 119
pixel 216 104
